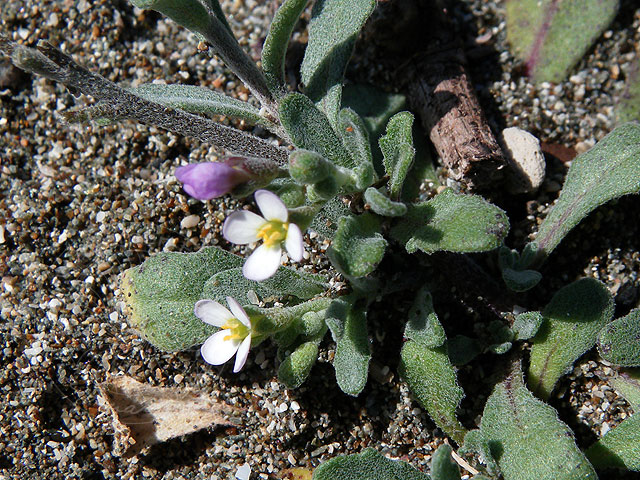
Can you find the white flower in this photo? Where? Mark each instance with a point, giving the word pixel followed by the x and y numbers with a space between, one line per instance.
pixel 234 338
pixel 273 228
pixel 243 472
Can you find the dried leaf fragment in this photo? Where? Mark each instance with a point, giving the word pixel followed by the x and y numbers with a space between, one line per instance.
pixel 143 415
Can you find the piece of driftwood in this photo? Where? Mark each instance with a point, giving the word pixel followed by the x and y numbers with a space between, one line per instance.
pixel 417 38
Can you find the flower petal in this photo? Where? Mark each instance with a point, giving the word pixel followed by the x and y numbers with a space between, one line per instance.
pixel 271 207
pixel 262 263
pixel 293 243
pixel 212 312
pixel 243 353
pixel 238 312
pixel 242 227
pixel 216 350
pixel 208 180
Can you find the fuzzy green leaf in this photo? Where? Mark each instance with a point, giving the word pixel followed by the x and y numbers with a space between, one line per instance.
pixel 161 293
pixel 383 205
pixel 628 106
pixel 527 438
pixel 619 341
pixel 443 467
pixel 476 443
pixel 353 352
pixel 309 128
pixel 368 465
pixel 326 221
pixel 191 14
pixel 432 380
pixel 398 151
pixel 285 282
pixel 423 325
pixel 607 171
pixel 619 447
pixel 375 107
pixel 452 222
pixel 275 45
pixel 551 36
pixel 526 325
pixel 356 140
pixel 520 280
pixel 295 369
pixel 333 29
pixel 627 383
pixel 571 324
pixel 357 247
pixel 201 100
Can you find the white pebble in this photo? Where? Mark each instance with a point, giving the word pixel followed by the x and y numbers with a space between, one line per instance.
pixel 526 160
pixel 190 221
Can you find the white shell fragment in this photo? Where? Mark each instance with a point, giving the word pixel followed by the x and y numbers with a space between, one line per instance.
pixel 526 160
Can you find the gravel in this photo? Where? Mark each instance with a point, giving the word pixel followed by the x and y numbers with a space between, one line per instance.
pixel 80 204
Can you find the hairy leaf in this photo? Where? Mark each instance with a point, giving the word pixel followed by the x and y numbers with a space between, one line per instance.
pixel 201 100
pixel 527 438
pixel 309 128
pixel 619 341
pixel 326 221
pixel 423 325
pixel 356 140
pixel 432 380
pixel 398 152
pixel 627 383
pixel 382 205
pixel 620 447
pixel 161 292
pixel 295 369
pixel 526 325
pixel 452 222
pixel 628 106
pixel 353 353
pixel 358 247
pixel 571 324
pixel 285 282
pixel 551 36
pixel 275 45
pixel 368 465
pixel 333 29
pixel 443 466
pixel 520 280
pixel 475 442
pixel 607 171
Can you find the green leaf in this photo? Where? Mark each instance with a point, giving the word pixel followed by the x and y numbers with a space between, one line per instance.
pixel 620 447
pixel 214 7
pixel 161 293
pixel 527 438
pixel 423 325
pixel 368 465
pixel 356 140
pixel 375 107
pixel 463 349
pixel 295 369
pixel 443 466
pixel 607 171
pixel 452 222
pixel 551 36
pixel 309 128
pixel 475 442
pixel 285 282
pixel 201 100
pixel 307 167
pixel 526 325
pixel 571 324
pixel 520 280
pixel 398 152
pixel 285 320
pixel 382 205
pixel 333 29
pixel 628 106
pixel 619 341
pixel 191 14
pixel 432 380
pixel 353 353
pixel 275 45
pixel 357 247
pixel 627 383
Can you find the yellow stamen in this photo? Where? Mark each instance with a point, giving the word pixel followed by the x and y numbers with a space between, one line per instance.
pixel 237 330
pixel 273 232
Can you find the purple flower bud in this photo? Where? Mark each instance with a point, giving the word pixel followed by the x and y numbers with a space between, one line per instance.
pixel 208 180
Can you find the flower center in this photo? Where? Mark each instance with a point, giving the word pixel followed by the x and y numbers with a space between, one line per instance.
pixel 273 232
pixel 237 329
